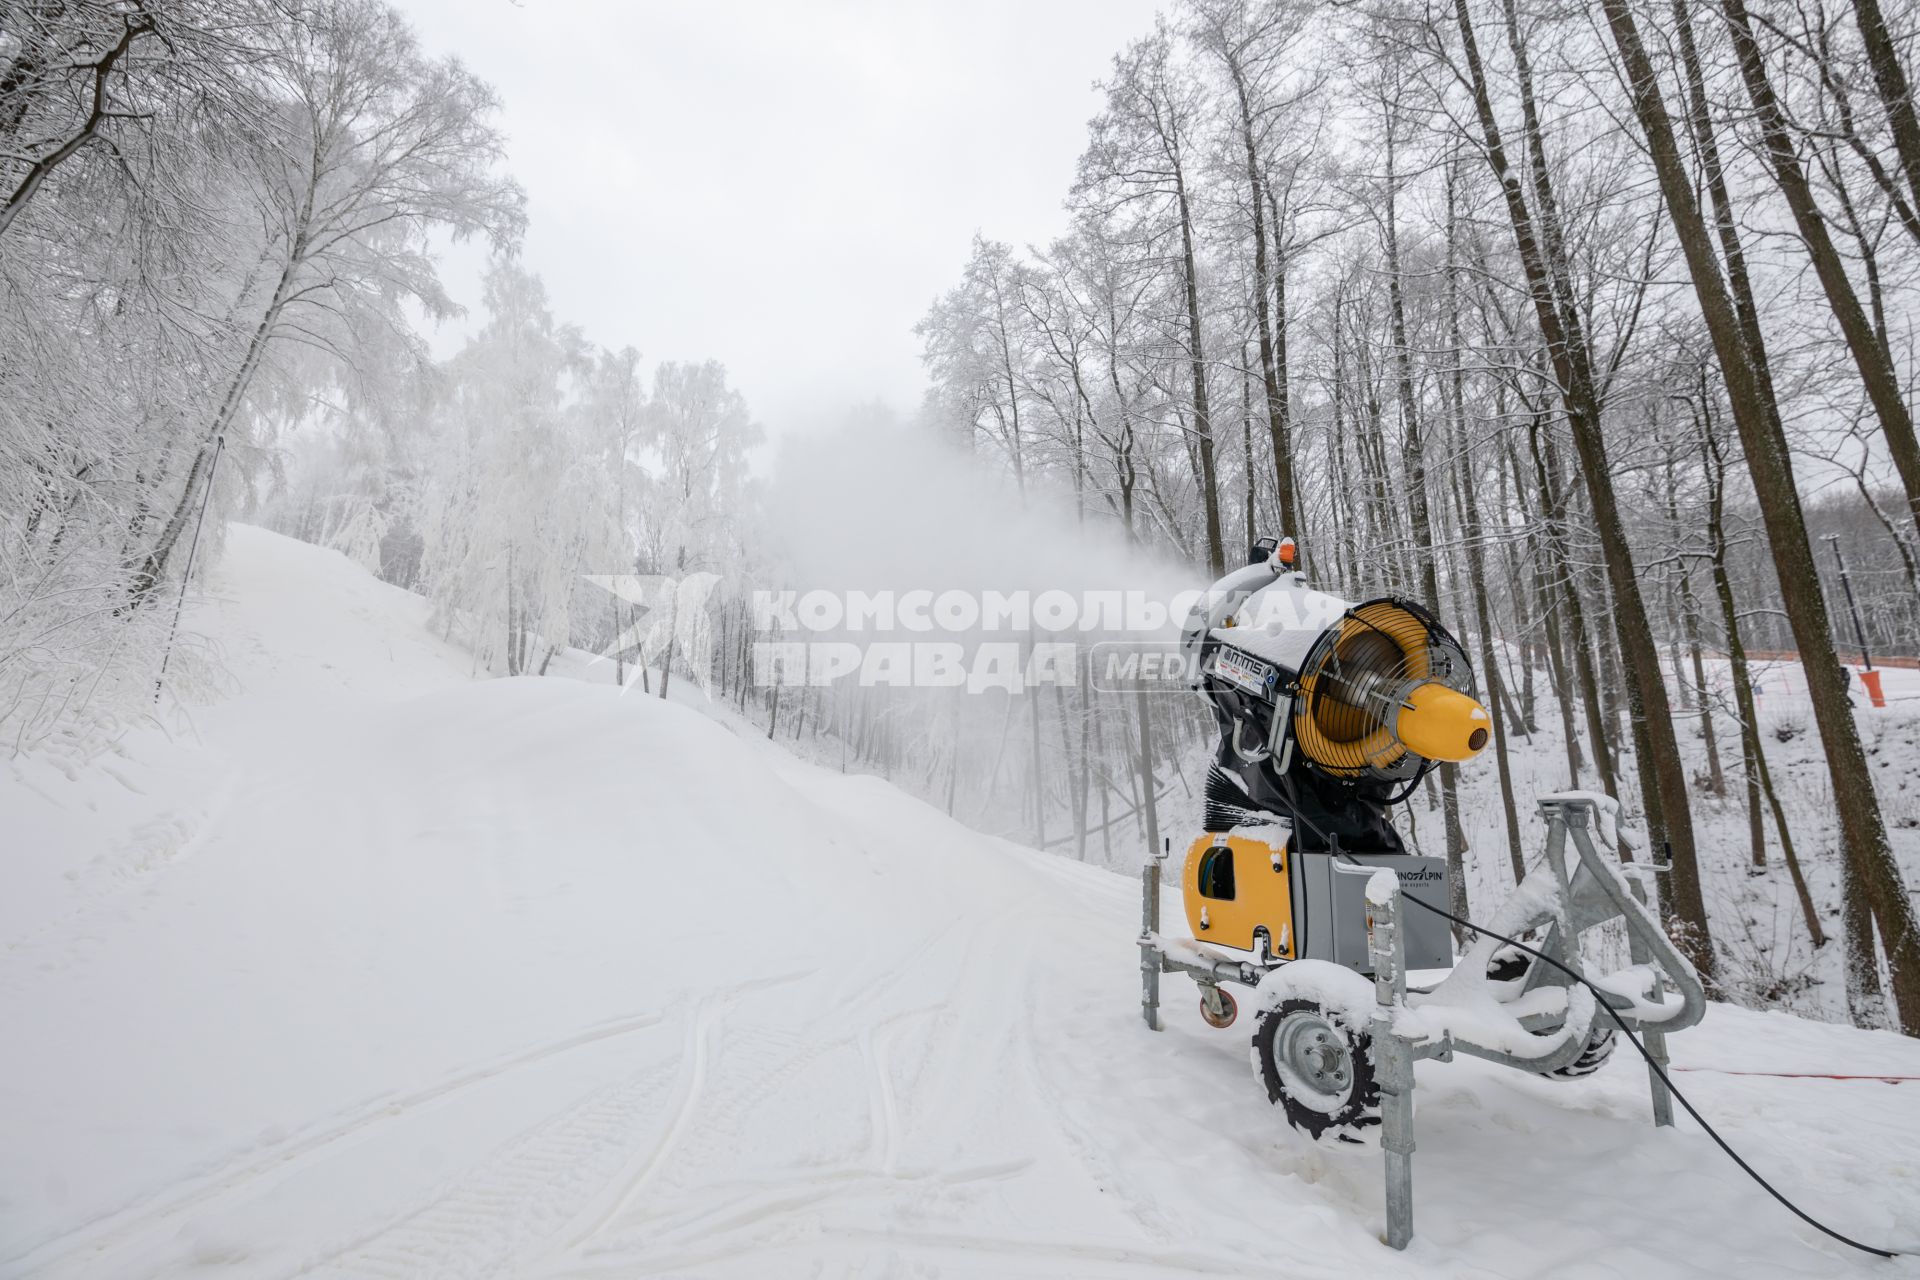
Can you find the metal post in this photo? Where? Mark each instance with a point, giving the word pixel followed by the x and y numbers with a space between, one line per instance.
pixel 1654 1040
pixel 1393 1064
pixel 1846 584
pixel 1562 820
pixel 1149 929
pixel 1869 678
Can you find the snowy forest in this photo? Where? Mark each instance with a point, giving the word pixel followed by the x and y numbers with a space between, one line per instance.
pixel 1588 326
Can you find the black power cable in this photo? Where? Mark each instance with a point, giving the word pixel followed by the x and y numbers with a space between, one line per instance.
pixel 1287 784
pixel 1613 1013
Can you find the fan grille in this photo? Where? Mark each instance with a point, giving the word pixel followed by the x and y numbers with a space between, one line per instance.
pixel 1350 689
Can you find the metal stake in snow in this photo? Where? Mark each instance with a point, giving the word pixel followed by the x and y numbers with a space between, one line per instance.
pixel 1149 935
pixel 1393 1054
pixel 1868 677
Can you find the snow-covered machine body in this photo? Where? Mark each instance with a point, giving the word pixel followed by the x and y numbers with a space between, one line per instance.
pixel 1330 713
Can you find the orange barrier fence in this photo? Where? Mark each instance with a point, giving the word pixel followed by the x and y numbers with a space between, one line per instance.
pixel 1869 680
pixel 1793 655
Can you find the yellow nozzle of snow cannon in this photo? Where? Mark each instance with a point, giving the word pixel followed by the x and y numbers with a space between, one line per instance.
pixel 1439 723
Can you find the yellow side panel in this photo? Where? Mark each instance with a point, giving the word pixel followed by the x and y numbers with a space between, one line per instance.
pixel 1262 893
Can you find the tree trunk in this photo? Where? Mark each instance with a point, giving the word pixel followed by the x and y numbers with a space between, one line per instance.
pixel 1890 81
pixel 1559 669
pixel 1756 759
pixel 1421 515
pixel 1866 1000
pixel 1149 806
pixel 1038 776
pixel 673 634
pixel 1863 832
pixel 1344 538
pixel 1870 356
pixel 1472 532
pixel 1690 611
pixel 155 565
pixel 1202 424
pixel 1082 767
pixel 1663 778
pixel 1106 783
pixel 1559 563
pixel 1277 425
pixel 1250 514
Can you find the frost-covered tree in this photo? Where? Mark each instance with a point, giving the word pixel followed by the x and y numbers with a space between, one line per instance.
pixel 500 532
pixel 215 211
pixel 976 347
pixel 698 432
pixel 371 149
pixel 613 423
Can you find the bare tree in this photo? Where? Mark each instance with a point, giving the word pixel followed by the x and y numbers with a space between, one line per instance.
pixel 1862 830
pixel 1255 42
pixel 1140 165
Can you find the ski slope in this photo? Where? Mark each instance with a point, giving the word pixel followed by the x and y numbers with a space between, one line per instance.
pixel 391 972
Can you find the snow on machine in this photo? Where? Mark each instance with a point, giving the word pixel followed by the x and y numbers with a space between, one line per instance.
pixel 1330 713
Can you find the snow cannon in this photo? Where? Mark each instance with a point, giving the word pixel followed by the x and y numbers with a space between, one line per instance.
pixel 1330 713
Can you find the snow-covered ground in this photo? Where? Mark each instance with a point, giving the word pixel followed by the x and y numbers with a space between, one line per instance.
pixel 392 972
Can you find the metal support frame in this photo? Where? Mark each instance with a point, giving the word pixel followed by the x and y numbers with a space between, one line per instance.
pixel 1587 890
pixel 1590 891
pixel 1653 1038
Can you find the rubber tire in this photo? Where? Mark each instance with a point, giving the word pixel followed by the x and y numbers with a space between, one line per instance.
pixel 1229 1007
pixel 1355 1121
pixel 1601 1042
pixel 1508 964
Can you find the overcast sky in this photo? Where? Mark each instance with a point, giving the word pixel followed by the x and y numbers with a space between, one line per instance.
pixel 781 185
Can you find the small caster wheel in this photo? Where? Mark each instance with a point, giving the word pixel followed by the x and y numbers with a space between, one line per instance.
pixel 1218 1008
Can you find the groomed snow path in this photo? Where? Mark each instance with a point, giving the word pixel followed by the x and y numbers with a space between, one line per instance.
pixel 390 972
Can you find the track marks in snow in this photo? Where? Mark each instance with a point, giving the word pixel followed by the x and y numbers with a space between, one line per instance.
pixel 106 887
pixel 518 1197
pixel 92 1246
pixel 699 1032
pixel 644 1165
pixel 877 1051
pixel 562 1180
pixel 888 1079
